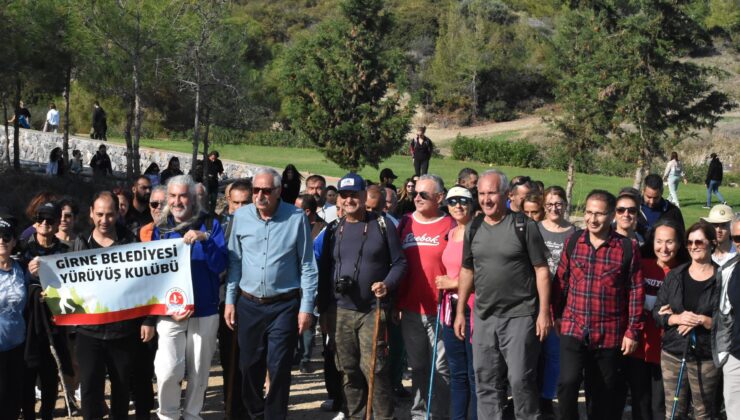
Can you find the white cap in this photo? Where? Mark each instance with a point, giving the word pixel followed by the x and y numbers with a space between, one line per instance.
pixel 459 192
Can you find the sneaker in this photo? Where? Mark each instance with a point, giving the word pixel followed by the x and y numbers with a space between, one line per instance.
pixel 327 405
pixel 305 367
pixel 339 416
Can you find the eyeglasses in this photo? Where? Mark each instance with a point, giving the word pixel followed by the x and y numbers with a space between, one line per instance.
pixel 698 243
pixel 595 214
pixel 48 220
pixel 558 205
pixel 423 194
pixel 463 201
pixel 7 237
pixel 349 194
pixel 410 185
pixel 630 210
pixel 156 204
pixel 265 191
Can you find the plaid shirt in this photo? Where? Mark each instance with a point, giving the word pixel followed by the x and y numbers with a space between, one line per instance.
pixel 595 303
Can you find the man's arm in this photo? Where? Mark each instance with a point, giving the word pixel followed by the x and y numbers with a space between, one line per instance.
pixel 309 272
pixel 544 319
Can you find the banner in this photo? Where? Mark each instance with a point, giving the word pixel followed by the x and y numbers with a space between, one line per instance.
pixel 105 285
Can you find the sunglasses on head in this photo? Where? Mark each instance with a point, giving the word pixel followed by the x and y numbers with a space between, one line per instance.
pixel 48 220
pixel 521 181
pixel 7 237
pixel 464 201
pixel 265 190
pixel 423 194
pixel 156 204
pixel 630 210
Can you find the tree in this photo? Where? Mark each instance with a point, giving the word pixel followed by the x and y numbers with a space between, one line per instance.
pixel 336 83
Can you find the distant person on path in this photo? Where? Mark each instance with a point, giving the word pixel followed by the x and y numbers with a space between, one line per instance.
pixel 654 208
pixel 421 151
pixel 172 169
pixel 99 123
pixel 272 266
pixel 714 180
pixel 52 119
pixel 387 177
pixel 75 165
pixel 215 171
pixel 291 184
pixel 673 174
pixel 100 162
pixel 24 116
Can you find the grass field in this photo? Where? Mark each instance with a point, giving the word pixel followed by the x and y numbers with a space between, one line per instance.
pixel 692 196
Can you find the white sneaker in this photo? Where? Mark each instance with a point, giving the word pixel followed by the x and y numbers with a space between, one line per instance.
pixel 78 394
pixel 339 416
pixel 38 394
pixel 327 405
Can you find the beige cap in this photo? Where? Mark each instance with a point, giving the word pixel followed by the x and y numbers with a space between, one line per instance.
pixel 721 213
pixel 457 191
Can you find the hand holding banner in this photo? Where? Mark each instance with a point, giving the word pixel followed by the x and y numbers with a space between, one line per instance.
pixel 112 284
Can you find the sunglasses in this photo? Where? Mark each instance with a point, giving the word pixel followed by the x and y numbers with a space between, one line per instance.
pixel 48 220
pixel 698 243
pixel 521 181
pixel 630 210
pixel 156 204
pixel 464 201
pixel 349 194
pixel 265 191
pixel 735 238
pixel 423 194
pixel 7 237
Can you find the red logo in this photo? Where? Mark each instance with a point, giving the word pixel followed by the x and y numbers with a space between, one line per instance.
pixel 175 300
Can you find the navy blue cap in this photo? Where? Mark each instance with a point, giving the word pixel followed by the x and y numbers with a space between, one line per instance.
pixel 351 182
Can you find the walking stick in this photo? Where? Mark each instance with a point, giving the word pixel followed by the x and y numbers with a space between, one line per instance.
pixel 434 352
pixel 232 371
pixel 371 385
pixel 689 343
pixel 58 362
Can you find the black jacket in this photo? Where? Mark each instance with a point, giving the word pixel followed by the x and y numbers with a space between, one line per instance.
pixel 671 292
pixel 715 171
pixel 113 330
pixel 669 212
pixel 422 151
pixel 100 164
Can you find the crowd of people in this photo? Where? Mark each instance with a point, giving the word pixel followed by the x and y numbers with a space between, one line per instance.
pixel 483 290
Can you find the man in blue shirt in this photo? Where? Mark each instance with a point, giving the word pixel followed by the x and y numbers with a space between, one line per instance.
pixel 272 270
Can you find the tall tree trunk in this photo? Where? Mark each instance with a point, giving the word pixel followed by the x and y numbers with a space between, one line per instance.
pixel 137 120
pixel 569 186
pixel 7 131
pixel 206 161
pixel 65 141
pixel 129 143
pixel 196 129
pixel 16 127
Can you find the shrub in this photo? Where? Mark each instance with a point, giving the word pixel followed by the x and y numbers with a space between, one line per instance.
pixel 500 152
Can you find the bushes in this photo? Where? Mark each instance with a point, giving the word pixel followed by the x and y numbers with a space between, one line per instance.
pixel 219 135
pixel 500 152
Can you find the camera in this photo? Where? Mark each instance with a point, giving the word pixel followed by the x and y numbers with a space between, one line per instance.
pixel 344 284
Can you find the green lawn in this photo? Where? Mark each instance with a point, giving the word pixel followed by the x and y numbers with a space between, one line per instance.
pixel 692 196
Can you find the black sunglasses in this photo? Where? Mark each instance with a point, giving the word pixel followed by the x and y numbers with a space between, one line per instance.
pixel 459 200
pixel 630 210
pixel 423 194
pixel 7 237
pixel 48 220
pixel 735 238
pixel 265 191
pixel 347 194
pixel 155 204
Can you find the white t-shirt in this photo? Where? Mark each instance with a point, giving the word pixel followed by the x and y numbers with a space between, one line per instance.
pixel 52 117
pixel 328 213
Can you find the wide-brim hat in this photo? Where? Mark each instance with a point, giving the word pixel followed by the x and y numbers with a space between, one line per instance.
pixel 721 213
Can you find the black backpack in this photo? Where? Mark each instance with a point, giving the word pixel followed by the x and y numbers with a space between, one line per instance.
pixel 626 254
pixel 520 226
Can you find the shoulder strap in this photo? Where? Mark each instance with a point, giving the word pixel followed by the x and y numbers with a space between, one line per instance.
pixel 626 259
pixel 475 225
pixel 520 225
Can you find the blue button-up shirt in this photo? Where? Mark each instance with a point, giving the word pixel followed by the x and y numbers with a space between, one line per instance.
pixel 272 257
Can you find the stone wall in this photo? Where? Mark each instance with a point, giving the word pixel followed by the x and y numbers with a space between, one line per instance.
pixel 35 146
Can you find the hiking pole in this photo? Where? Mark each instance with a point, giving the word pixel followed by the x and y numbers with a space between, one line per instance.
pixel 434 352
pixel 232 371
pixel 689 343
pixel 58 362
pixel 371 385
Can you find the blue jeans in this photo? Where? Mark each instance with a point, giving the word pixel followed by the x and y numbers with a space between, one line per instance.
pixel 713 187
pixel 462 376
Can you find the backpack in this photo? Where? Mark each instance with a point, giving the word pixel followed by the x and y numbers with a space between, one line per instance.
pixel 520 227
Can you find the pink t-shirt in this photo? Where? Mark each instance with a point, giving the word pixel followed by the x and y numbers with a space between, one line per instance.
pixel 452 260
pixel 423 244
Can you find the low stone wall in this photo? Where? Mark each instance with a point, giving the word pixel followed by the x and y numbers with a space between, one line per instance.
pixel 35 146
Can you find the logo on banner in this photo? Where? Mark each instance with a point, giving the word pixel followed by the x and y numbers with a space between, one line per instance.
pixel 175 299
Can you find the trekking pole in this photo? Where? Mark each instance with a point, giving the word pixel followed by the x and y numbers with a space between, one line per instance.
pixel 232 371
pixel 689 343
pixel 371 385
pixel 58 362
pixel 434 352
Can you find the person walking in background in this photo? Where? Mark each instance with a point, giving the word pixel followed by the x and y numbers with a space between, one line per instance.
pixel 421 151
pixel 215 171
pixel 99 123
pixel 100 163
pixel 673 174
pixel 172 169
pixel 714 180
pixel 555 229
pixel 459 352
pixel 684 309
pixel 291 184
pixel 52 119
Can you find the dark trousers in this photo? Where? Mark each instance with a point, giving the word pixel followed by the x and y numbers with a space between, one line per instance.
pixel 332 375
pixel 397 354
pixel 421 166
pixel 46 372
pixel 97 357
pixel 141 378
pixel 11 375
pixel 226 344
pixel 603 379
pixel 462 376
pixel 305 344
pixel 645 383
pixel 267 339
